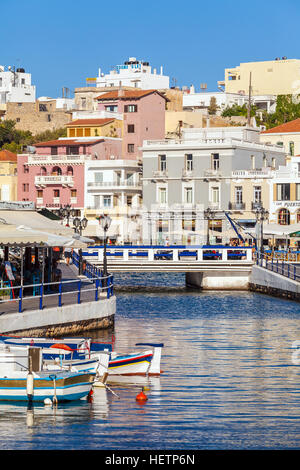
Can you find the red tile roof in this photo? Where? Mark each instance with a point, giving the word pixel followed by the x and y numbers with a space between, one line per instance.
pixel 291 126
pixel 64 142
pixel 8 156
pixel 90 122
pixel 127 94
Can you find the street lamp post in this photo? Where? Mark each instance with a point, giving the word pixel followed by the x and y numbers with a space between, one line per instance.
pixel 79 225
pixel 66 212
pixel 261 214
pixel 105 221
pixel 208 214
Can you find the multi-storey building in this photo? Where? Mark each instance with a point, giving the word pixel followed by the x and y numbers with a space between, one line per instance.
pixel 15 86
pixel 133 73
pixel 114 187
pixel 95 127
pixel 8 176
pixel 143 117
pixel 272 77
pixel 54 175
pixel 182 179
pixel 287 135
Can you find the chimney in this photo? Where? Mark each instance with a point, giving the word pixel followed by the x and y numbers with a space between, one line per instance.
pixel 121 92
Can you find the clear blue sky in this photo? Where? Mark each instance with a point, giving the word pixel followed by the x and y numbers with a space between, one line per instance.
pixel 61 42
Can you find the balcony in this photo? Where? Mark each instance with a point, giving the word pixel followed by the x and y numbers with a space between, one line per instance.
pixel 187 174
pixel 256 205
pixel 120 184
pixel 214 174
pixel 236 206
pixel 160 175
pixel 51 159
pixel 44 180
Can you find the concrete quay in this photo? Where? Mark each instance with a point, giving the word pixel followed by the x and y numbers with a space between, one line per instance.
pixel 76 314
pixel 272 283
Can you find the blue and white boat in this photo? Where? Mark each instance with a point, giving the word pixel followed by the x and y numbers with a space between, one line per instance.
pixel 146 362
pixel 22 378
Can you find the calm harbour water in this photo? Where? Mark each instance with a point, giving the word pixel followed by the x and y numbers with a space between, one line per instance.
pixel 228 383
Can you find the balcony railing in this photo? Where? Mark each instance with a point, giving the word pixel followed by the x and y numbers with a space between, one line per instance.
pixel 160 174
pixel 236 206
pixel 187 174
pixel 117 183
pixel 34 159
pixel 212 173
pixel 54 179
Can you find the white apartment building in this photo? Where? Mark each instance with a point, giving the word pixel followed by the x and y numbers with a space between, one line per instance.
pixel 113 187
pixel 183 178
pixel 133 73
pixel 15 86
pixel 201 101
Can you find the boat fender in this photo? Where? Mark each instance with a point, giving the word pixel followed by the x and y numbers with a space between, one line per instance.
pixel 29 386
pixel 47 401
pixel 61 346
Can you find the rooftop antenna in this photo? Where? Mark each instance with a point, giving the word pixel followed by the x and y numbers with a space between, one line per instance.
pixel 249 102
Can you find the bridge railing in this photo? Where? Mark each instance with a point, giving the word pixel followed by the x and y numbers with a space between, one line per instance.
pixel 278 265
pixel 176 253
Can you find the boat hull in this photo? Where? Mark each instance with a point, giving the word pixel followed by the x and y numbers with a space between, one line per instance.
pixel 65 387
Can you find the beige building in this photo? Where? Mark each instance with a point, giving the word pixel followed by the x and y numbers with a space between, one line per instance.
pixel 287 135
pixel 175 121
pixel 37 117
pixel 273 77
pixel 8 176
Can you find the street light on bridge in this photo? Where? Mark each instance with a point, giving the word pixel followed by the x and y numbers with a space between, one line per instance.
pixel 261 215
pixel 105 221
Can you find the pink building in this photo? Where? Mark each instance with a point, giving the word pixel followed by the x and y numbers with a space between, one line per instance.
pixel 143 117
pixel 55 175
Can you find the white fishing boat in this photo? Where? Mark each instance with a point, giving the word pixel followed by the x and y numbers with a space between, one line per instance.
pixel 22 378
pixel 145 362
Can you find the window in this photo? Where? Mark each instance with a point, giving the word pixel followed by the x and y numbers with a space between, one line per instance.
pixel 25 169
pixel 162 162
pixel 18 119
pixel 22 81
pixel 39 193
pixel 130 108
pixel 56 171
pixel 129 200
pixel 0 81
pixel 273 163
pixel 19 104
pixel 283 192
pixel 53 150
pixel 25 187
pixel 264 161
pixel 73 192
pixel 107 201
pixel 189 162
pixel 253 162
pixel 73 150
pixel 130 148
pixel 291 148
pixel 188 195
pixel 298 217
pixel 87 132
pixel 162 195
pixel 79 132
pixel 215 161
pixel 284 217
pixel 111 108
pixel 130 128
pixel 238 194
pixel 297 191
pixel 98 177
pixel 257 194
pixel 49 118
pixel 215 195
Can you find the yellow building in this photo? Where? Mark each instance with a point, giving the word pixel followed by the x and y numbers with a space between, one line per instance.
pixel 286 135
pixel 272 77
pixel 8 176
pixel 176 120
pixel 108 127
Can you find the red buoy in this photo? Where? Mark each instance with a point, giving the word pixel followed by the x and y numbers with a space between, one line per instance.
pixel 141 396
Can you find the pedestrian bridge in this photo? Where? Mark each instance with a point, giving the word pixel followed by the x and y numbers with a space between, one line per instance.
pixel 207 267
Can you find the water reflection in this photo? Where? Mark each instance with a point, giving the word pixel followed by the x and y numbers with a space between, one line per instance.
pixel 229 381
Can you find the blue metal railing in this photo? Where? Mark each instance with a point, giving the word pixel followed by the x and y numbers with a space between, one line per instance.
pixel 42 290
pixel 287 269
